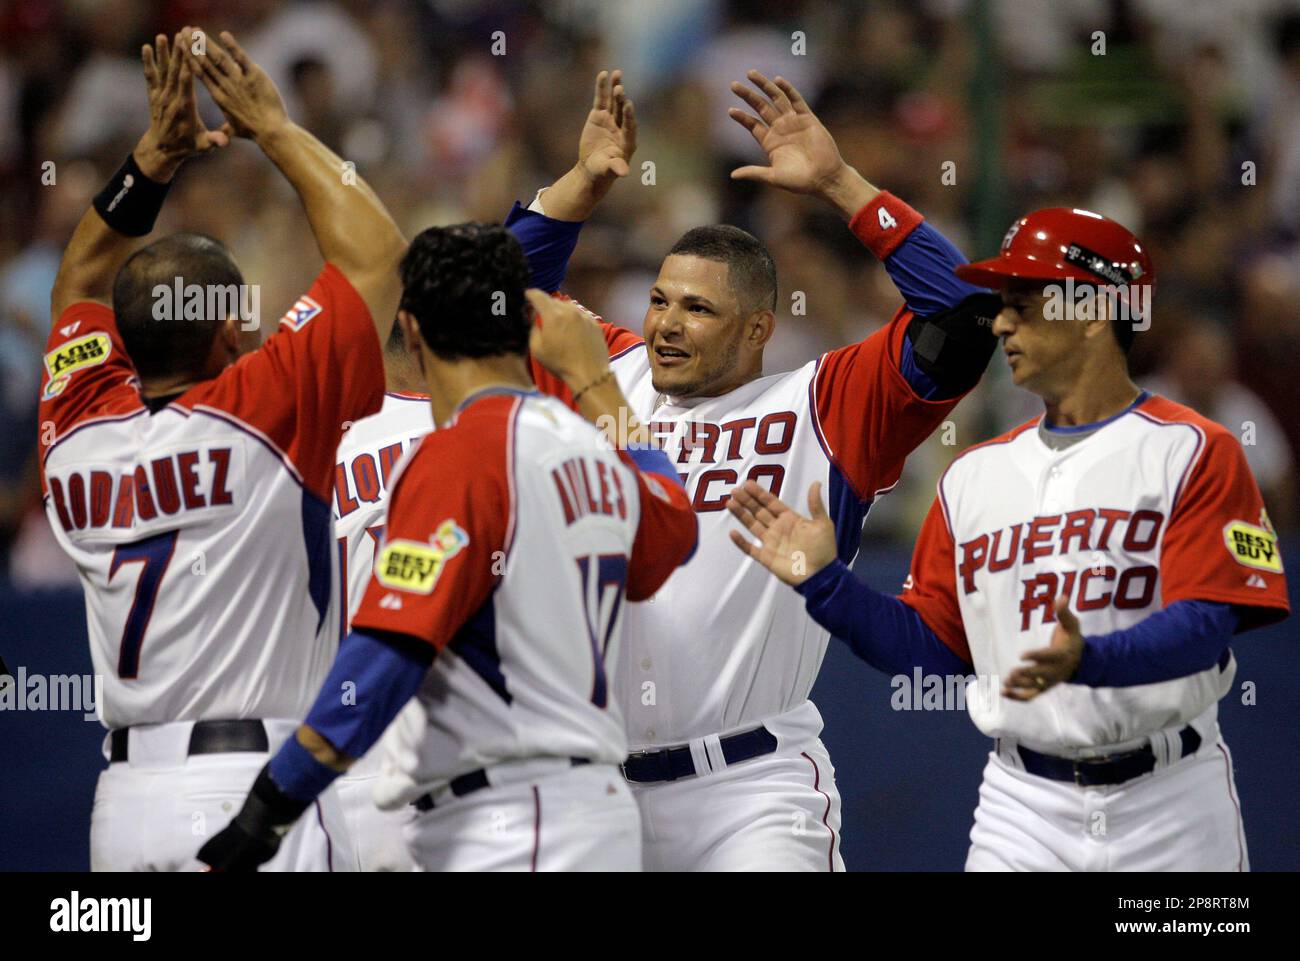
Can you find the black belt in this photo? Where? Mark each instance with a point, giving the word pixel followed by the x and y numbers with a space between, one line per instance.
pixel 1111 769
pixel 673 763
pixel 471 782
pixel 206 737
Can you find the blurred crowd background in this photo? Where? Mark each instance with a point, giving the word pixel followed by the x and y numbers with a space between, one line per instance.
pixel 1186 129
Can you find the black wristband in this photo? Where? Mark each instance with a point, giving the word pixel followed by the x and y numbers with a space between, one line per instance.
pixel 130 202
pixel 268 812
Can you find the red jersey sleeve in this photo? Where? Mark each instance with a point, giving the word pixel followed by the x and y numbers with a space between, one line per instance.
pixel 617 341
pixel 1219 544
pixel 86 371
pixel 666 535
pixel 931 585
pixel 320 371
pixel 448 516
pixel 868 416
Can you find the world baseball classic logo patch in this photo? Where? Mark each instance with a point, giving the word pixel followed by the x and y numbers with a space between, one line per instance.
pixel 1253 546
pixel 414 566
pixel 302 311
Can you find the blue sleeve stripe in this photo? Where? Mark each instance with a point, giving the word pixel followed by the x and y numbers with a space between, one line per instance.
pixel 921 383
pixel 381 677
pixel 652 460
pixel 1185 638
pixel 548 244
pixel 880 629
pixel 922 270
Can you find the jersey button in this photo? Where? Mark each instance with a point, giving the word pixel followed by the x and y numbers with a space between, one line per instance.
pixel 646 664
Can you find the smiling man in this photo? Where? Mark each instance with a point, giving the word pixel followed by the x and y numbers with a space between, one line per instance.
pixel 727 765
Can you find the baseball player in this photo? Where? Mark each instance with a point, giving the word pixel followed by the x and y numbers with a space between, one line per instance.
pixel 726 761
pixel 512 536
pixel 1091 567
pixel 189 479
pixel 367 460
pixel 364 471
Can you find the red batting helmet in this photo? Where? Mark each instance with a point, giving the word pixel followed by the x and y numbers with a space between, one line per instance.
pixel 1060 243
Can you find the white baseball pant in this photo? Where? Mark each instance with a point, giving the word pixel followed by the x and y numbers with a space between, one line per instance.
pixel 1183 816
pixel 550 816
pixel 777 812
pixel 154 811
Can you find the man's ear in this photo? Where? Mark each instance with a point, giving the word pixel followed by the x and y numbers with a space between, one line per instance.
pixel 759 328
pixel 410 328
pixel 1100 310
pixel 232 338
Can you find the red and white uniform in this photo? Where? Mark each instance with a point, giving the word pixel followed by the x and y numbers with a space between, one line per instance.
pixel 367 466
pixel 724 647
pixel 1154 506
pixel 202 537
pixel 513 536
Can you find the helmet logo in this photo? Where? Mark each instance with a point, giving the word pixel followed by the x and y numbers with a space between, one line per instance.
pixel 1015 229
pixel 1096 264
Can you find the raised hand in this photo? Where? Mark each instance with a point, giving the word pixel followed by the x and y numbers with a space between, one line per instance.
pixel 605 149
pixel 802 156
pixel 1051 665
pixel 608 138
pixel 240 87
pixel 801 152
pixel 791 546
pixel 175 130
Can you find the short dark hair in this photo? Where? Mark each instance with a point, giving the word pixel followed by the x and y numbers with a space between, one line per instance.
pixel 176 342
pixel 464 284
pixel 750 266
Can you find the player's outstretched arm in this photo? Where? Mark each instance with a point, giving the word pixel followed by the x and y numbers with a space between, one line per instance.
pixel 548 228
pixel 881 630
pixel 354 231
pixel 127 208
pixel 605 149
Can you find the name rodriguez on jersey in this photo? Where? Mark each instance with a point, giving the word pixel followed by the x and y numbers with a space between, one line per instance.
pixel 189 483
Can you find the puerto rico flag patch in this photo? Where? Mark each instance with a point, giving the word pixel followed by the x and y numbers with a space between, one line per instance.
pixel 300 313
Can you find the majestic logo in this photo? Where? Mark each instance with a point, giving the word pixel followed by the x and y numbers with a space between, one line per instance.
pixel 301 312
pixel 88 351
pixel 1253 546
pixel 416 567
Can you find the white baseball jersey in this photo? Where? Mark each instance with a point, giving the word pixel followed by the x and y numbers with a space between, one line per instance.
pixel 512 536
pixel 363 475
pixel 1156 505
pixel 201 530
pixel 723 645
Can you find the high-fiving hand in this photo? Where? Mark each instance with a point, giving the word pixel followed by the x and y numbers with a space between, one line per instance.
pixel 175 130
pixel 608 138
pixel 1051 665
pixel 243 91
pixel 801 152
pixel 791 546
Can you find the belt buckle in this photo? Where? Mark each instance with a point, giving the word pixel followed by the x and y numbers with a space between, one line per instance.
pixel 663 755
